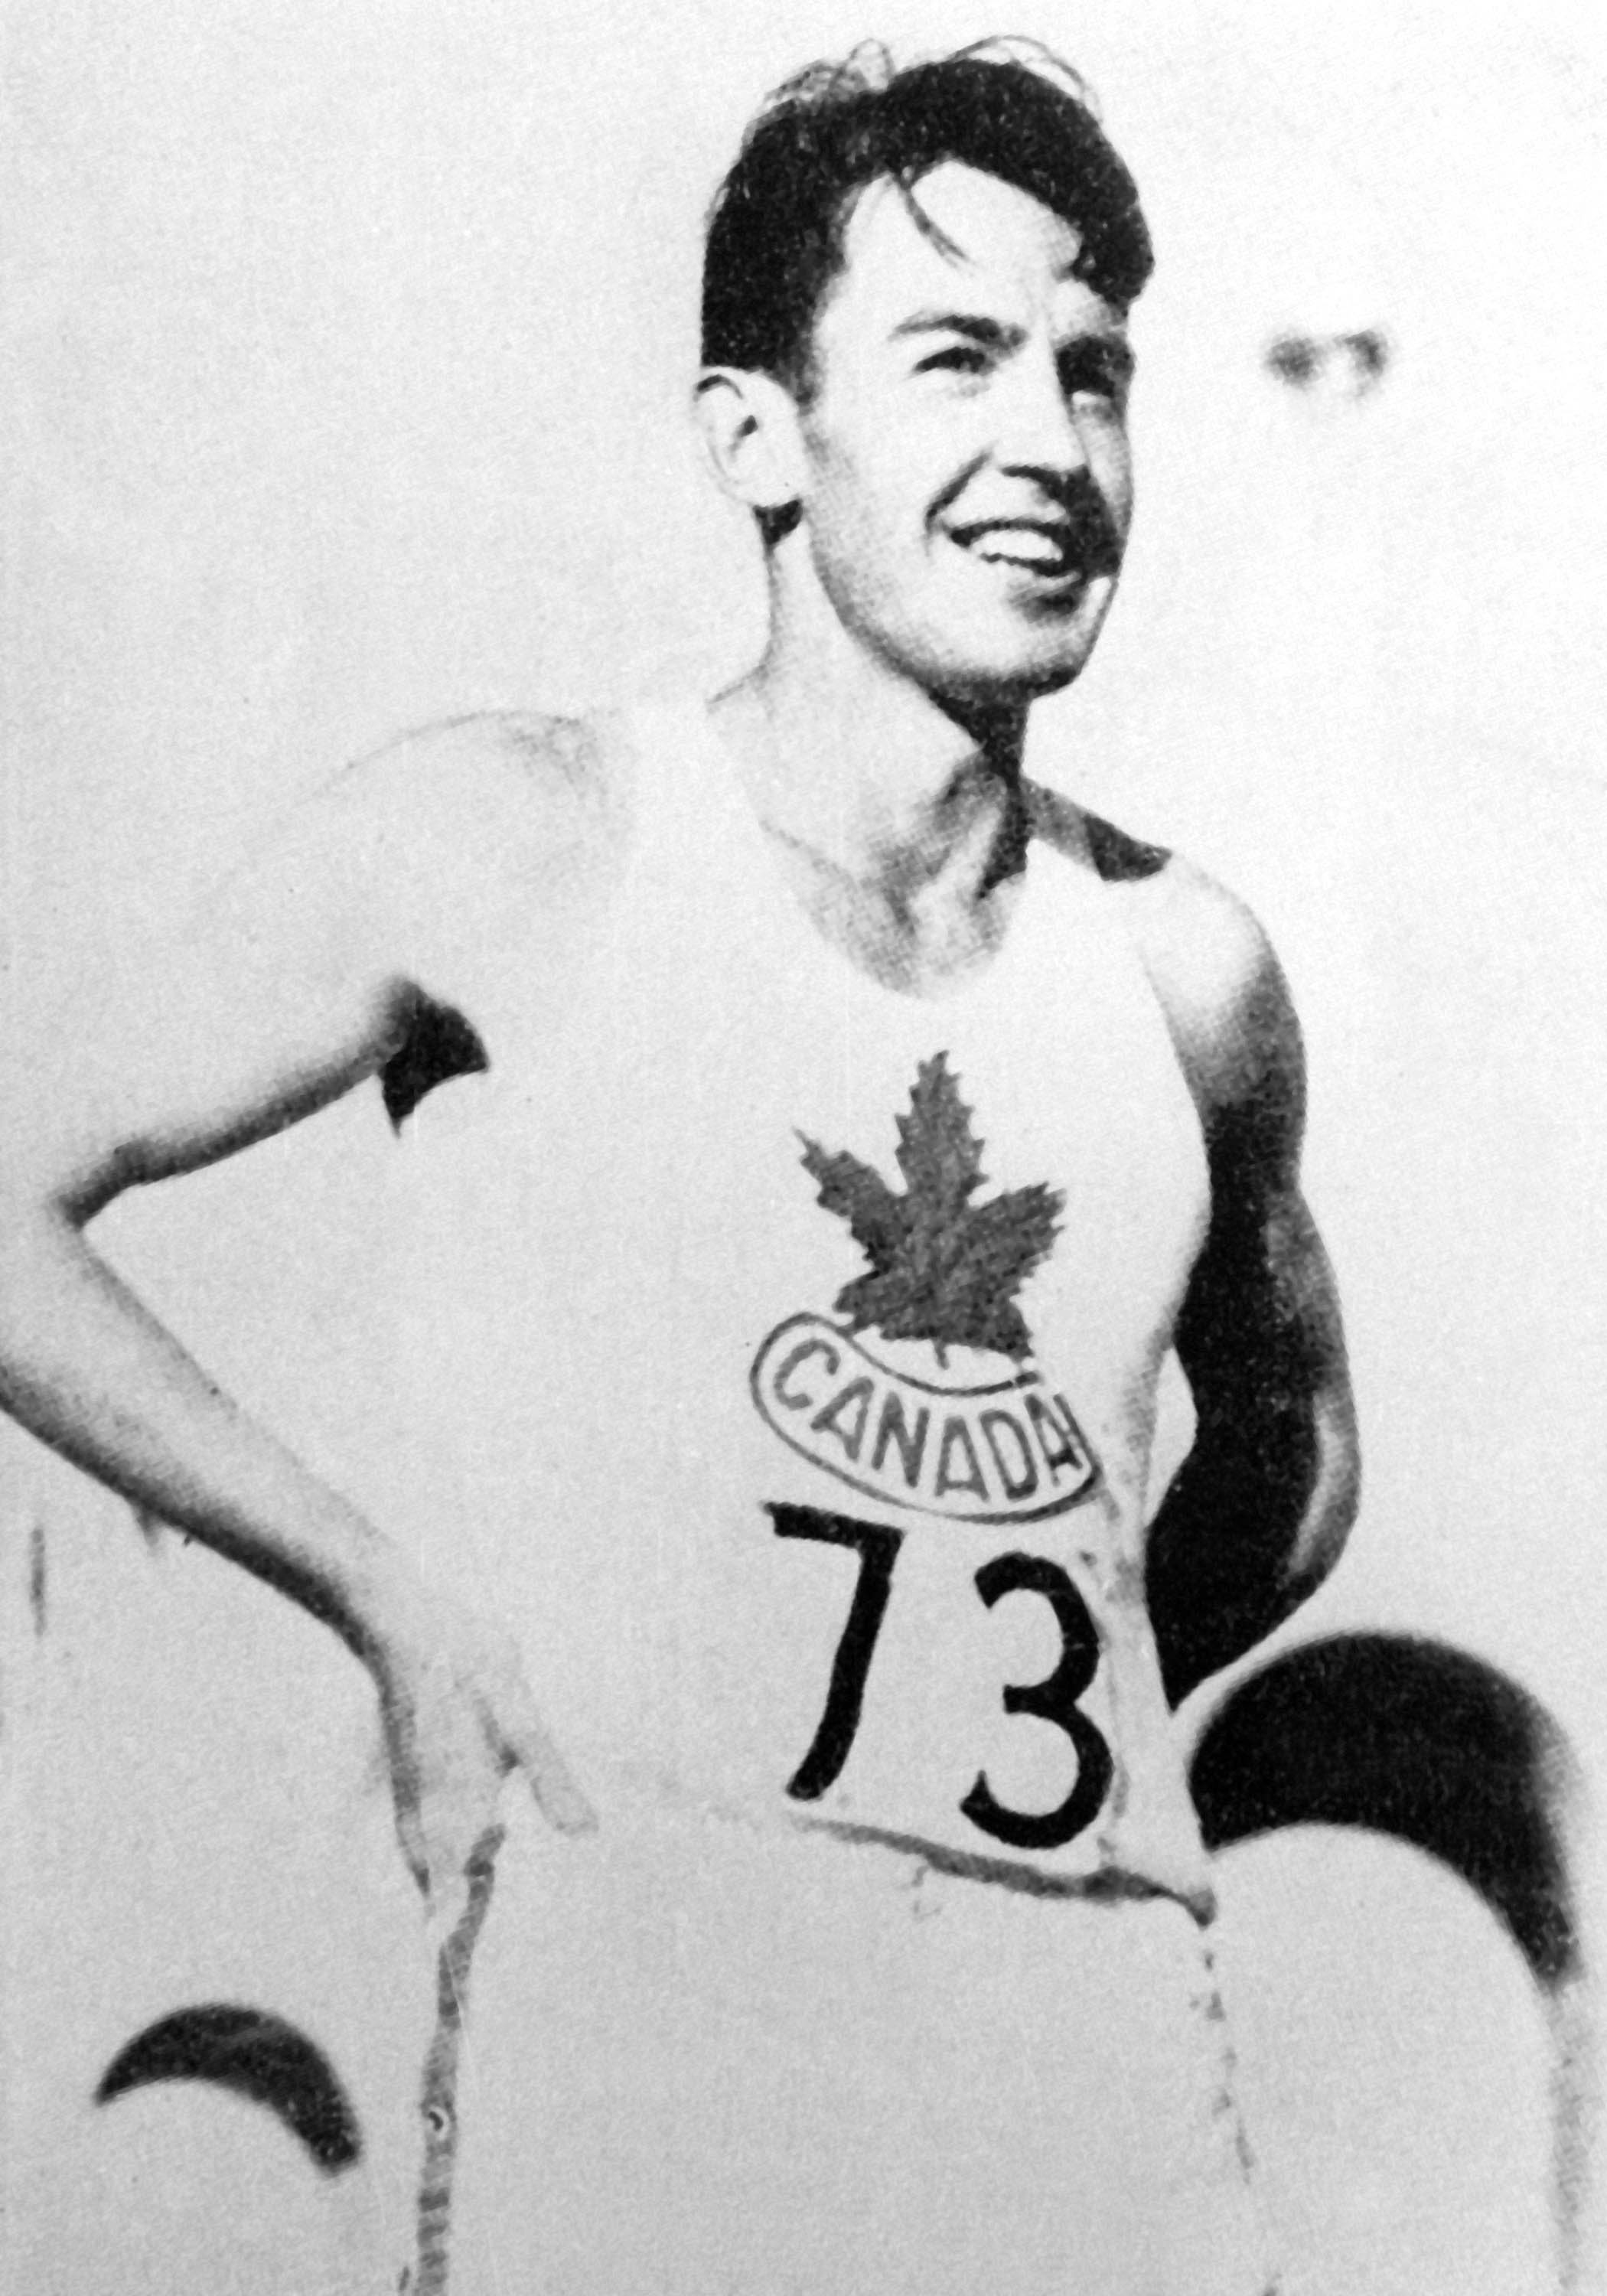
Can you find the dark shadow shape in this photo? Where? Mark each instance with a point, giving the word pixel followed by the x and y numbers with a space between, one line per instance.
pixel 257 2055
pixel 1369 350
pixel 1351 364
pixel 1409 1738
pixel 1295 358
pixel 1120 860
pixel 439 1044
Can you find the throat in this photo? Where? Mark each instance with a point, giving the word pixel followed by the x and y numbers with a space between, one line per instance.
pixel 903 836
pixel 920 932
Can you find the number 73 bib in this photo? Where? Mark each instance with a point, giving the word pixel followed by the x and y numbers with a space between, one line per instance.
pixel 964 1702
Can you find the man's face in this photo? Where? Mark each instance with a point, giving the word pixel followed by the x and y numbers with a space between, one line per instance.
pixel 968 488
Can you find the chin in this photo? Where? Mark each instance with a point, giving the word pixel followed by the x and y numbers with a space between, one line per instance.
pixel 1001 686
pixel 1026 666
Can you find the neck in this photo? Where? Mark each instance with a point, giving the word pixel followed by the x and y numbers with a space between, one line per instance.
pixel 899 819
pixel 869 771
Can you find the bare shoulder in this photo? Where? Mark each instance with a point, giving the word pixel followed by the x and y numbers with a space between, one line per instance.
pixel 439 852
pixel 1208 959
pixel 508 790
pixel 389 924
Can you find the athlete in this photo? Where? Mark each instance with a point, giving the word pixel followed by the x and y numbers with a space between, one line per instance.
pixel 820 1148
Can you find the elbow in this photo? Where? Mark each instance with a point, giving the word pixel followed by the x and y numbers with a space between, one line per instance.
pixel 44 1184
pixel 35 1222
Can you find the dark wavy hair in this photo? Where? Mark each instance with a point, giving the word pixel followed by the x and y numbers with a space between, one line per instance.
pixel 1008 108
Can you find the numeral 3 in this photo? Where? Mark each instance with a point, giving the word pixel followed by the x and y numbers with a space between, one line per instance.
pixel 1054 1699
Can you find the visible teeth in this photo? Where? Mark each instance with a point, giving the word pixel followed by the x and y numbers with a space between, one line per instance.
pixel 1020 547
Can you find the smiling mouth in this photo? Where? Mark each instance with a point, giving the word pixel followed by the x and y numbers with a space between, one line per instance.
pixel 1053 551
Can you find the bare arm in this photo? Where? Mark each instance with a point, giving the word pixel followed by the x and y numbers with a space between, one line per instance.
pixel 310 981
pixel 216 1046
pixel 1258 1513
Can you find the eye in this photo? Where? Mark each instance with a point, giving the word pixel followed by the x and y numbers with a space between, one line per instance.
pixel 955 358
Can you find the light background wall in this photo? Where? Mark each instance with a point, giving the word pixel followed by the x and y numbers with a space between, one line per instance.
pixel 347 355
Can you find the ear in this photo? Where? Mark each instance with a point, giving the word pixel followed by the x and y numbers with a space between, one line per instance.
pixel 751 434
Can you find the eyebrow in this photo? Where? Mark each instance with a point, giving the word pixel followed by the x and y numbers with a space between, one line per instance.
pixel 992 331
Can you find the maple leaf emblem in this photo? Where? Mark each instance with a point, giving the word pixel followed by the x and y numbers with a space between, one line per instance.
pixel 942 1268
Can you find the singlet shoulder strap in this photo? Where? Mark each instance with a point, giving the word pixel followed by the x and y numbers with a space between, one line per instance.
pixel 1117 859
pixel 1121 859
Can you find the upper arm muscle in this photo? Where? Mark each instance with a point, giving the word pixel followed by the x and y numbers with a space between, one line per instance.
pixel 309 970
pixel 1262 1280
pixel 207 1043
pixel 1228 1008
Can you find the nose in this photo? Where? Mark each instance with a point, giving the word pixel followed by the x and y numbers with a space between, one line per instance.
pixel 1037 430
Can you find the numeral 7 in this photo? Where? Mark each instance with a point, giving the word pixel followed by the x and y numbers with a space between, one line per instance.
pixel 877 1547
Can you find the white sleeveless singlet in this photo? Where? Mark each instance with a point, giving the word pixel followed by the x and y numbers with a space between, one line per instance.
pixel 782 1355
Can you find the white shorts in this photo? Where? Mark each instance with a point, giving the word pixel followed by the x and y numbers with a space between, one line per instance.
pixel 702 2061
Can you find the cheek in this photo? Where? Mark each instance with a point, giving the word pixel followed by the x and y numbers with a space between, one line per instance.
pixel 865 506
pixel 1112 466
pixel 891 457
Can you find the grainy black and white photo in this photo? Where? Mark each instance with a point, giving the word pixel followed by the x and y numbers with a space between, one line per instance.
pixel 802 1260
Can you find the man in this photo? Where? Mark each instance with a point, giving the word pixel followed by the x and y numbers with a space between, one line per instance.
pixel 838 1138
